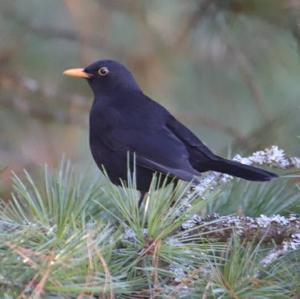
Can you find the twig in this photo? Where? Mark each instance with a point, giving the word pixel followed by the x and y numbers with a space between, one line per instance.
pixel 189 118
pixel 39 289
pixel 108 280
pixel 191 22
pixel 24 253
pixel 205 294
pixel 271 157
pixel 29 286
pixel 186 281
pixel 155 264
pixel 246 72
pixel 90 268
pixel 270 229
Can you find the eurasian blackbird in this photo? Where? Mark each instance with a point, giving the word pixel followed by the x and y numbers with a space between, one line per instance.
pixel 124 120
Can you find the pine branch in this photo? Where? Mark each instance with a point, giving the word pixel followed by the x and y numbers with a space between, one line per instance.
pixel 283 232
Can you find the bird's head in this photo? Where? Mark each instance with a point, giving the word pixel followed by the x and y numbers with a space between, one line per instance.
pixel 105 76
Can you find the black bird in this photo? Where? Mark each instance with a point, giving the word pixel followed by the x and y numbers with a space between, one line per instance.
pixel 123 119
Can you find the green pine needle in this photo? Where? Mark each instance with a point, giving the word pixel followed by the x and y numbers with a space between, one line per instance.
pixel 75 237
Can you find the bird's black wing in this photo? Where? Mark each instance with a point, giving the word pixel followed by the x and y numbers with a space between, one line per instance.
pixel 203 159
pixel 156 149
pixel 192 142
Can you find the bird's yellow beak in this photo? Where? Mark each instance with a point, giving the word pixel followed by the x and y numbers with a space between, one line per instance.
pixel 80 73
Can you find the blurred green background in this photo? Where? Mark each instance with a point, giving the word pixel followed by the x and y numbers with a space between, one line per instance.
pixel 229 69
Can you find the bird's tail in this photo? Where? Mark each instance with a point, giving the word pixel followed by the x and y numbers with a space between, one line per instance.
pixel 241 170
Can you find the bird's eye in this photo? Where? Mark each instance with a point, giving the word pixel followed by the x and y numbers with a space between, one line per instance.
pixel 103 71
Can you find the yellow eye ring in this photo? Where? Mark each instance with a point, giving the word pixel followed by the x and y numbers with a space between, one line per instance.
pixel 103 71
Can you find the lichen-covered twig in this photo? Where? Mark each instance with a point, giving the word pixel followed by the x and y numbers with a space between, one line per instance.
pixel 276 228
pixel 272 157
pixel 283 232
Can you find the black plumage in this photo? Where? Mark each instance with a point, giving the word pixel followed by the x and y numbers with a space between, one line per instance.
pixel 123 119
